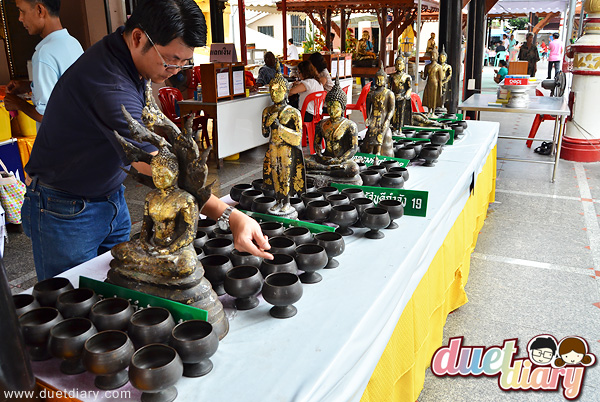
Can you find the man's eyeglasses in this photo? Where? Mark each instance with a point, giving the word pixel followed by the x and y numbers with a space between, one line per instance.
pixel 186 66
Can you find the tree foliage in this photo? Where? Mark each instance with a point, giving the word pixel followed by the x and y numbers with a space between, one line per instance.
pixel 518 23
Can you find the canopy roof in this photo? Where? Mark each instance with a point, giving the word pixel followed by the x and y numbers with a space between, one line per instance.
pixel 354 6
pixel 528 6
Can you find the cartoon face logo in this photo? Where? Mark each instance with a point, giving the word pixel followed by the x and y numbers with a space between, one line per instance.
pixel 572 357
pixel 542 349
pixel 574 350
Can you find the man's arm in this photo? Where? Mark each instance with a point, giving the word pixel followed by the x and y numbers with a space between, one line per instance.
pixel 13 102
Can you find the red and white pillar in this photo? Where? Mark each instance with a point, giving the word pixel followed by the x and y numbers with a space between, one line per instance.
pixel 581 142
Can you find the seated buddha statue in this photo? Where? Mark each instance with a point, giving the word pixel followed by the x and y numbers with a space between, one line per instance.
pixel 164 248
pixel 162 261
pixel 381 104
pixel 283 165
pixel 364 48
pixel 334 162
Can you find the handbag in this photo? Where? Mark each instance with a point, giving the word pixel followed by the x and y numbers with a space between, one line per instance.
pixel 12 193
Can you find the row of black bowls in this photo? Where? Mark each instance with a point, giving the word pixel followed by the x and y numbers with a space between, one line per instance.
pixel 93 339
pixel 345 208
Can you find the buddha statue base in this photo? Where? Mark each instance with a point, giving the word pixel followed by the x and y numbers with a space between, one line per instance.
pixel 191 288
pixel 323 180
pixel 289 212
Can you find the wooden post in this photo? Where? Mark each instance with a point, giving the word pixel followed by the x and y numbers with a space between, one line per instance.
pixel 285 38
pixel 343 29
pixel 242 15
pixel 328 41
pixel 395 38
pixel 382 34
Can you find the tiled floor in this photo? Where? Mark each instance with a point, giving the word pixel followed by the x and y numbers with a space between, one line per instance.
pixel 535 270
pixel 536 267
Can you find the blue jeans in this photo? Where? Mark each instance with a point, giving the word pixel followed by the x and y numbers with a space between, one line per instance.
pixel 67 230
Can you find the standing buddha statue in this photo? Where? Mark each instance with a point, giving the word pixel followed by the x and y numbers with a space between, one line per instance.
pixel 400 84
pixel 432 95
pixel 446 76
pixel 380 109
pixel 283 166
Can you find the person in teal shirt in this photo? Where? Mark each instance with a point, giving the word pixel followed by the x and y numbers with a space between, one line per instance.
pixel 53 55
pixel 500 74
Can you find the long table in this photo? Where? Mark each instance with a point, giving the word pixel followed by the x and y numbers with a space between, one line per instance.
pixel 368 330
pixel 554 106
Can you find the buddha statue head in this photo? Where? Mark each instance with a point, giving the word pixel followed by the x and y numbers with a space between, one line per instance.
pixel 165 169
pixel 399 63
pixel 434 56
pixel 443 56
pixel 336 100
pixel 365 35
pixel 380 77
pixel 278 87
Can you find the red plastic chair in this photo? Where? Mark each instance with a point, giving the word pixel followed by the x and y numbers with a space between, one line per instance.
pixel 539 118
pixel 168 96
pixel 308 128
pixel 415 103
pixel 361 103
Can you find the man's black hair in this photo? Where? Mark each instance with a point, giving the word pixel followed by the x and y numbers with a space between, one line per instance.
pixel 503 63
pixel 555 35
pixel 165 20
pixel 53 6
pixel 290 41
pixel 541 343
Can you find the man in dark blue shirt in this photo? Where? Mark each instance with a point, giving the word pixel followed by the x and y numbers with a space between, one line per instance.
pixel 75 208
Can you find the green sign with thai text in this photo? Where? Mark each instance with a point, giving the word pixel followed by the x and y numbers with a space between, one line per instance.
pixel 180 312
pixel 414 201
pixel 369 159
pixel 313 227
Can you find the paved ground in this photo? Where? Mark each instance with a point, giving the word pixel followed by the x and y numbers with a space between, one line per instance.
pixel 536 268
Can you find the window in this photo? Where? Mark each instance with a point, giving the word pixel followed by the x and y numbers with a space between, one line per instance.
pixel 267 31
pixel 298 30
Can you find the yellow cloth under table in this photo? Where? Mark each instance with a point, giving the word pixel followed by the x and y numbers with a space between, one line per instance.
pixel 400 373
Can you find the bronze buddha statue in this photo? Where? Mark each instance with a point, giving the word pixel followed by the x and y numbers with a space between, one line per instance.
pixel 380 109
pixel 334 163
pixel 163 261
pixel 446 76
pixel 400 84
pixel 283 166
pixel 432 94
pixel 431 46
pixel 363 54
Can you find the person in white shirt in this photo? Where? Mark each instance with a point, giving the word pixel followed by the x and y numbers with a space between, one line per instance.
pixel 308 84
pixel 505 42
pixel 292 51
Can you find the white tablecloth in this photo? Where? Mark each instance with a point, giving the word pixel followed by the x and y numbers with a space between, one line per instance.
pixel 328 351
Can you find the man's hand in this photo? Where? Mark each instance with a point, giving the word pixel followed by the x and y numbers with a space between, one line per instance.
pixel 247 235
pixel 13 102
pixel 18 87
